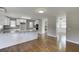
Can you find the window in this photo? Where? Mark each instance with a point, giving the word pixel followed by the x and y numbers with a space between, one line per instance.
pixel 30 24
pixel 12 23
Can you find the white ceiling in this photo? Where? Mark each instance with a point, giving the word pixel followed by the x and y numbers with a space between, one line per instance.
pixel 30 11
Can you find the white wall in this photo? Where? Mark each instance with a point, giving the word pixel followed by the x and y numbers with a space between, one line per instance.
pixel 73 28
pixel 51 26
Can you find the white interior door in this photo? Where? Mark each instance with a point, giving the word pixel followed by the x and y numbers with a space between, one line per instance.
pixel 61 32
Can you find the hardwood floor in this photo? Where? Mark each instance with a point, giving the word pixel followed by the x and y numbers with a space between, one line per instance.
pixel 72 47
pixel 42 44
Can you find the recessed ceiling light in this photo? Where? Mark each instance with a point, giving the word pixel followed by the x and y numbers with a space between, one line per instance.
pixel 41 10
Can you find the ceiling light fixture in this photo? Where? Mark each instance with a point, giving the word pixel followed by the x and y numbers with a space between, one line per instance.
pixel 41 10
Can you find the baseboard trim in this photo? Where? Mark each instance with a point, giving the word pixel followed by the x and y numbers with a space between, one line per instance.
pixel 73 42
pixel 66 40
pixel 51 35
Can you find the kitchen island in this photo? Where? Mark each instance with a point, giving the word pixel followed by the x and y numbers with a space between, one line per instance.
pixel 10 39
